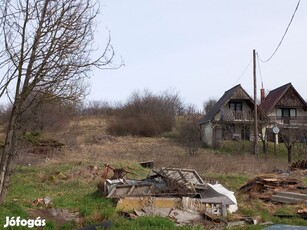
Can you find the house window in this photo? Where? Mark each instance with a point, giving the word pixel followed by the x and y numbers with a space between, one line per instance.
pixel 286 113
pixel 235 106
pixel 292 112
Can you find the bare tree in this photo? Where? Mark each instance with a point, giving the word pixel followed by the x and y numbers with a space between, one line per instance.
pixel 98 108
pixel 43 115
pixel 189 132
pixel 45 49
pixel 263 123
pixel 291 136
pixel 208 105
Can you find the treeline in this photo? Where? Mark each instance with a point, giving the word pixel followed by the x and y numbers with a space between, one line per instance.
pixel 143 114
pixel 42 117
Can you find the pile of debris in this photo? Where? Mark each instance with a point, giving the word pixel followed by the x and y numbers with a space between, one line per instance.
pixel 180 194
pixel 300 164
pixel 276 188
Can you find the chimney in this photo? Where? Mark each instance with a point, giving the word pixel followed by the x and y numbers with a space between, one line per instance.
pixel 262 93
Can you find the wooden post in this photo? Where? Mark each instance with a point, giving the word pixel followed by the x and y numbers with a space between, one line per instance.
pixel 275 131
pixel 275 142
pixel 255 150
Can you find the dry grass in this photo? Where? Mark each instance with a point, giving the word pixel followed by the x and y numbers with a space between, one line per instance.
pixel 86 140
pixel 87 144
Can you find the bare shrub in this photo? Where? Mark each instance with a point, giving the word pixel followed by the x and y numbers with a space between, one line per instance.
pixel 189 132
pixel 45 115
pixel 208 105
pixel 145 114
pixel 96 108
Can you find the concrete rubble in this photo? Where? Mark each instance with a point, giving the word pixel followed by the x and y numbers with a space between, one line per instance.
pixel 180 194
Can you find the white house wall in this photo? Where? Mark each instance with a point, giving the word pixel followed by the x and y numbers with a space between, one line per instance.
pixel 245 108
pixel 217 117
pixel 206 133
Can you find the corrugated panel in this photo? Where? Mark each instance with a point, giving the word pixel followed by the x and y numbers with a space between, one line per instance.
pixel 183 175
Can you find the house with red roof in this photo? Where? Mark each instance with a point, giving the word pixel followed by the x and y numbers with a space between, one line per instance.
pixel 285 107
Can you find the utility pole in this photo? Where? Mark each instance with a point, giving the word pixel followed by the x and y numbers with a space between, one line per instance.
pixel 255 149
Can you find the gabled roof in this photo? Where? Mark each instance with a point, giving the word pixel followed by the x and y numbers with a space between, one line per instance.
pixel 275 95
pixel 221 102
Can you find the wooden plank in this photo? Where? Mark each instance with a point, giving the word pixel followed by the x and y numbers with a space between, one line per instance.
pixel 147 164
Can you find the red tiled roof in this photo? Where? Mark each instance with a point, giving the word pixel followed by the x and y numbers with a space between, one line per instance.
pixel 275 95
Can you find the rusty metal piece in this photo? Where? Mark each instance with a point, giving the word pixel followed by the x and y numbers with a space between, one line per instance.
pixel 106 170
pixel 118 173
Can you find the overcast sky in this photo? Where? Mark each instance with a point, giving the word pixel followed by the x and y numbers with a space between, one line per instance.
pixel 200 48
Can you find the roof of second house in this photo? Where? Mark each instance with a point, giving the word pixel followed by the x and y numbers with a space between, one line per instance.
pixel 275 95
pixel 220 103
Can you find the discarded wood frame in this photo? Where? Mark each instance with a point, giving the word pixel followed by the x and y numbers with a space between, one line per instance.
pixel 132 190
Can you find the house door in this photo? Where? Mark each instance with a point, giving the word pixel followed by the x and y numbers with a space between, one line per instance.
pixel 217 136
pixel 245 132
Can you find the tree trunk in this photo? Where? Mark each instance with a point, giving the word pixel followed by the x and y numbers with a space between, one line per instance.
pixel 6 174
pixel 8 154
pixel 264 147
pixel 289 154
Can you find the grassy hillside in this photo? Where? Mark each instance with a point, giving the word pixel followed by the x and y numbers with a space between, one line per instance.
pixel 69 175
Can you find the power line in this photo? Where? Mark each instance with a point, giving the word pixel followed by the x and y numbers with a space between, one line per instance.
pixel 259 68
pixel 283 35
pixel 244 71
